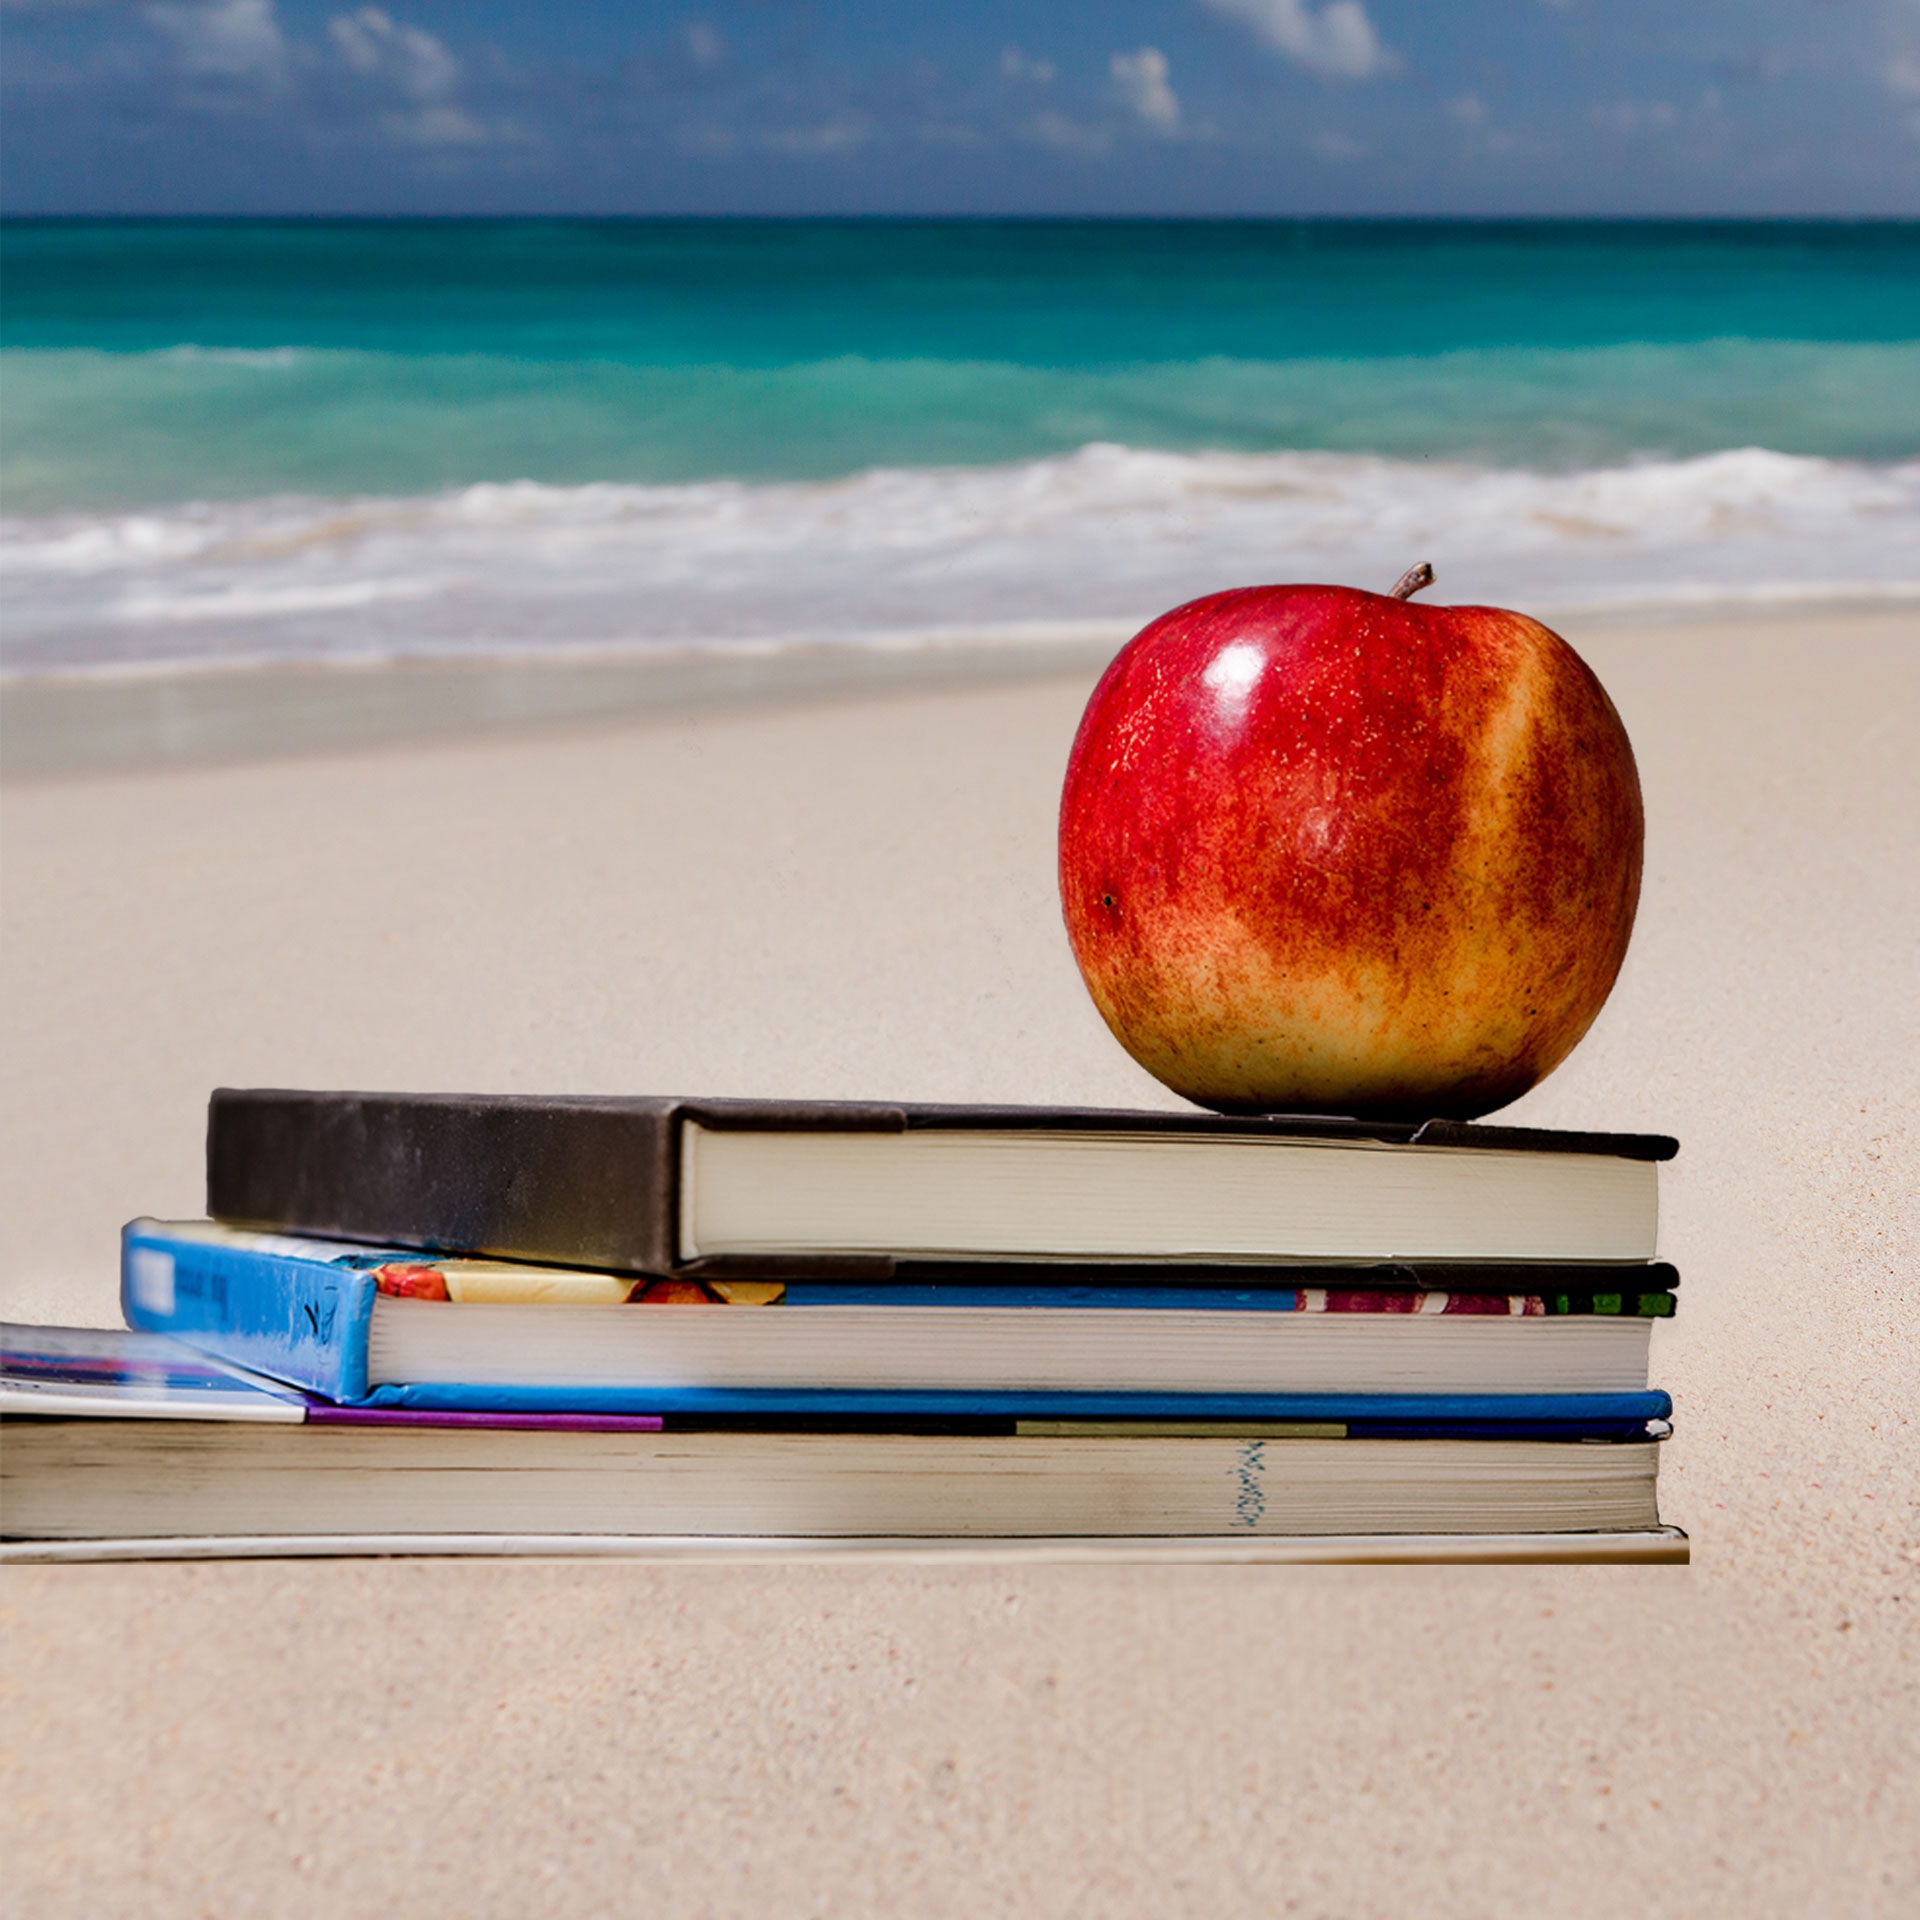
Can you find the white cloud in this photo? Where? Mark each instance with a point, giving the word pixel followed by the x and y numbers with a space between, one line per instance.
pixel 1141 81
pixel 1902 74
pixel 1469 109
pixel 411 62
pixel 241 40
pixel 1338 41
pixel 1016 65
pixel 409 58
pixel 1340 146
pixel 225 39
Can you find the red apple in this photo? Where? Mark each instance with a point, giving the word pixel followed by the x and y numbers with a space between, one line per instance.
pixel 1325 851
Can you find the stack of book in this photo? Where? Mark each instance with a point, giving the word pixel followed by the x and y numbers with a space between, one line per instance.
pixel 481 1323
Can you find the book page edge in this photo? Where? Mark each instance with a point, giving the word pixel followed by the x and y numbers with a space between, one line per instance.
pixel 1661 1546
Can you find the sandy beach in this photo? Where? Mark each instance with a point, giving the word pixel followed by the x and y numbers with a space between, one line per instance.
pixel 847 890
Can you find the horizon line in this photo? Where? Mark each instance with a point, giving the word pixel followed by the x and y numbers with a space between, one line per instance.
pixel 104 217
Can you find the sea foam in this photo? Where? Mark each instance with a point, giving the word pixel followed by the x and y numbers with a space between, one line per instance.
pixel 1092 542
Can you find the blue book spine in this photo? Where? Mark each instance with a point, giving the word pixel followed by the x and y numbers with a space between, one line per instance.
pixel 300 1320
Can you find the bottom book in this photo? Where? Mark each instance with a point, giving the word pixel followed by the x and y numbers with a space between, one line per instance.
pixel 97 1479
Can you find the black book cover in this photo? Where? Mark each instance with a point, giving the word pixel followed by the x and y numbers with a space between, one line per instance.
pixel 594 1181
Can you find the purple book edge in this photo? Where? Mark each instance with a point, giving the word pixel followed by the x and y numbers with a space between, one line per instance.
pixel 325 1413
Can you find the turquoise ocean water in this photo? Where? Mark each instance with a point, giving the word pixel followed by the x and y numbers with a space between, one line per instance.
pixel 248 440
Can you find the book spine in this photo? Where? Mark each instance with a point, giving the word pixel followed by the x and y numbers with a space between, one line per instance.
pixel 552 1182
pixel 567 1183
pixel 298 1320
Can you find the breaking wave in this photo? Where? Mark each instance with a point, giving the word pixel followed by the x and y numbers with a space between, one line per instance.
pixel 1088 543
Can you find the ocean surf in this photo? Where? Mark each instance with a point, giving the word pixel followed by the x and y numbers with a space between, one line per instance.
pixel 1076 547
pixel 234 443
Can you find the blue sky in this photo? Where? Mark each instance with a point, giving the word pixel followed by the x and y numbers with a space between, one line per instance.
pixel 821 106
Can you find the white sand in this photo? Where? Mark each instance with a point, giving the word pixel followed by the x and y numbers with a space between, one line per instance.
pixel 856 899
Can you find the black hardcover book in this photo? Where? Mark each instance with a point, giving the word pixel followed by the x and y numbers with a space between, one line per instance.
pixel 858 1190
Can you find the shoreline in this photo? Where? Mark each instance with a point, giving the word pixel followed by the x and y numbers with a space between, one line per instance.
pixel 57 727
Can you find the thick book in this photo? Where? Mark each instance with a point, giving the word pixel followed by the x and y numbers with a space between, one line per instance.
pixel 1633 1547
pixel 674 1186
pixel 122 1479
pixel 376 1326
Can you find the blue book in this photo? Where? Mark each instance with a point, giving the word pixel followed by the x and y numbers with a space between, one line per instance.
pixel 388 1327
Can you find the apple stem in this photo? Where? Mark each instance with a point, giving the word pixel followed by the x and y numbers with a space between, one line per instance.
pixel 1413 580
